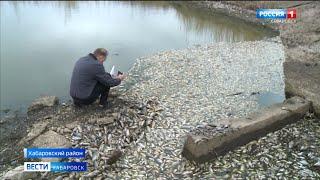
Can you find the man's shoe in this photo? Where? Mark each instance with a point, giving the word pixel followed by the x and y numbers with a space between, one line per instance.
pixel 77 105
pixel 106 105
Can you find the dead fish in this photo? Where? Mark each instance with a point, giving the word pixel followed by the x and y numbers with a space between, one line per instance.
pixel 91 174
pixel 84 144
pixel 153 124
pixel 127 133
pixel 95 155
pixel 76 138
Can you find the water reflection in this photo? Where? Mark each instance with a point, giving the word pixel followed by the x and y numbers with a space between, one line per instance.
pixel 15 5
pixel 69 7
pixel 218 27
pixel 51 35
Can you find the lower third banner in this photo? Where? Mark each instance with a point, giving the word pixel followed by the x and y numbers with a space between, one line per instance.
pixel 55 166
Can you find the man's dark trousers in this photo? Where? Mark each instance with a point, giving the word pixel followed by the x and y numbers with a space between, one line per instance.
pixel 99 90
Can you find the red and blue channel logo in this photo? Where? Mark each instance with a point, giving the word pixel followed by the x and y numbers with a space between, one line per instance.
pixel 276 13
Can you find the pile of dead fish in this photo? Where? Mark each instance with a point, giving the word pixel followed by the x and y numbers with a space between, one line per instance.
pixel 194 86
pixel 106 136
pixel 182 91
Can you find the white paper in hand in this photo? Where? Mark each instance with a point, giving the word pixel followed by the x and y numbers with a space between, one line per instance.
pixel 113 72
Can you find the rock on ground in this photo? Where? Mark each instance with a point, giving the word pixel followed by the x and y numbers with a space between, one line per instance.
pixel 37 129
pixel 19 174
pixel 72 124
pixel 51 139
pixel 41 102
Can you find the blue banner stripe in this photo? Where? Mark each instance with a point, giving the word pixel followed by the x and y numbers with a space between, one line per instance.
pixel 68 166
pixel 271 13
pixel 54 153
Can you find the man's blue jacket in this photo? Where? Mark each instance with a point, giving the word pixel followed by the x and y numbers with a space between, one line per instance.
pixel 86 74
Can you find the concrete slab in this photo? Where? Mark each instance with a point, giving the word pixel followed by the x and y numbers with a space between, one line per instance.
pixel 231 133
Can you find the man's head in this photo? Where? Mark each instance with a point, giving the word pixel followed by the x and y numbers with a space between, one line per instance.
pixel 101 54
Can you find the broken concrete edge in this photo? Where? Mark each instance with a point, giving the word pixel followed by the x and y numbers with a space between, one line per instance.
pixel 43 101
pixel 291 92
pixel 244 130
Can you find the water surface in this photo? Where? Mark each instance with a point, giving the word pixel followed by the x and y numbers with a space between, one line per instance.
pixel 40 41
pixel 266 99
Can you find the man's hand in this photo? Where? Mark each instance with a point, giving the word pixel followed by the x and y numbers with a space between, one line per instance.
pixel 121 77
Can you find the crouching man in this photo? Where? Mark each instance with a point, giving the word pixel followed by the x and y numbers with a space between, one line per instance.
pixel 90 81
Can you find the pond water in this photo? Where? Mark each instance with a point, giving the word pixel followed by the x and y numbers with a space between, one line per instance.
pixel 40 41
pixel 268 98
